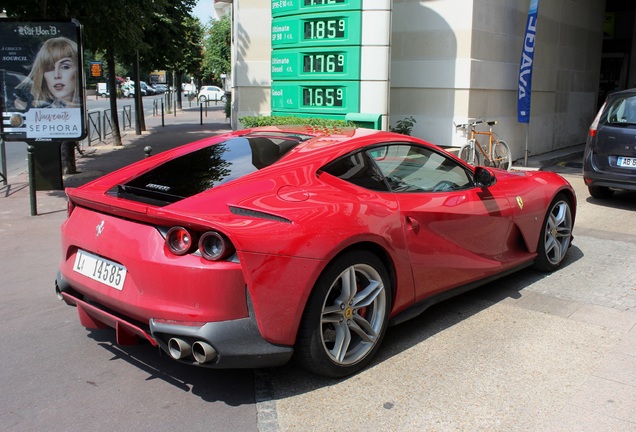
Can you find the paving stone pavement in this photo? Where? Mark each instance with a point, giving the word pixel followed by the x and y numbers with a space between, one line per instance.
pixel 532 352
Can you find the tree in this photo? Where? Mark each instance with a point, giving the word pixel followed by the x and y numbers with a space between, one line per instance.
pixel 218 49
pixel 120 28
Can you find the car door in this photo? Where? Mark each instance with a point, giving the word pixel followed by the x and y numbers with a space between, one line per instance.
pixel 455 232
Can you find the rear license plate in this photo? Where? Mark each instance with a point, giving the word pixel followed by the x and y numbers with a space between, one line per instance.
pixel 626 162
pixel 100 269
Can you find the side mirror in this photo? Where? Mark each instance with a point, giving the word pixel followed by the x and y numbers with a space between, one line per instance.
pixel 484 177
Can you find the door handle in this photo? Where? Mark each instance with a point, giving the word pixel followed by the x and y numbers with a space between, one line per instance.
pixel 412 224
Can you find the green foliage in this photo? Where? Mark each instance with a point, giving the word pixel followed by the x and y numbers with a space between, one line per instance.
pixel 163 31
pixel 251 121
pixel 217 49
pixel 404 126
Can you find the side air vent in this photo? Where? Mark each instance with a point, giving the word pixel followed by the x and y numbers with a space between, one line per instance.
pixel 257 214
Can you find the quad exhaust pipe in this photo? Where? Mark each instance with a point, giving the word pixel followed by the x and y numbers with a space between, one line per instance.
pixel 178 348
pixel 200 350
pixel 203 352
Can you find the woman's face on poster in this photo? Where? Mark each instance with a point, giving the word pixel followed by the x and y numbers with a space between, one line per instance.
pixel 60 79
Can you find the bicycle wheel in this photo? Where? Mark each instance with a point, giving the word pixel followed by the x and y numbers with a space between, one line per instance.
pixel 501 156
pixel 468 153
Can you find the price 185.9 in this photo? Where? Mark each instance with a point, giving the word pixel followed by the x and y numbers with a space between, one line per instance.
pixel 329 28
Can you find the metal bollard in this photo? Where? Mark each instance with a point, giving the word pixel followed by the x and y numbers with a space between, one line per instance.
pixel 31 163
pixel 148 151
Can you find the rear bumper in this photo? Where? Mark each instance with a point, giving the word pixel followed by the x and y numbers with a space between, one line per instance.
pixel 606 179
pixel 235 343
pixel 611 177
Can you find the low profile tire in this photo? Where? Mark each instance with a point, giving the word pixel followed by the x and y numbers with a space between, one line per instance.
pixel 346 316
pixel 600 192
pixel 556 235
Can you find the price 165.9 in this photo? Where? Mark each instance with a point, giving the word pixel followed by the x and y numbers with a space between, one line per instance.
pixel 323 96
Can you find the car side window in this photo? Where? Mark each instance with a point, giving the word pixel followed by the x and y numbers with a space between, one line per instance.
pixel 358 169
pixel 411 168
pixel 622 110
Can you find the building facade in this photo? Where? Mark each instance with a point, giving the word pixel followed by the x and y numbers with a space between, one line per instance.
pixel 450 60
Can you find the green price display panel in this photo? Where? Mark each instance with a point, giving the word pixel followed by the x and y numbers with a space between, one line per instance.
pixel 316 63
pixel 316 97
pixel 288 7
pixel 317 29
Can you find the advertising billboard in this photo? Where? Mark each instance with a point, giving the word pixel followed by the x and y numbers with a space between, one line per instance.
pixel 42 81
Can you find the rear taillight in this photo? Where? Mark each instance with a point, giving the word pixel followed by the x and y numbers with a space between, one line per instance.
pixel 70 206
pixel 215 246
pixel 594 126
pixel 179 241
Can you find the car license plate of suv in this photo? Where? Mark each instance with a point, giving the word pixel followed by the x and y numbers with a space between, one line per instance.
pixel 626 162
pixel 100 269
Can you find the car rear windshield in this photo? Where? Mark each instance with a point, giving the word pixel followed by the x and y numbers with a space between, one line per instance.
pixel 622 111
pixel 208 167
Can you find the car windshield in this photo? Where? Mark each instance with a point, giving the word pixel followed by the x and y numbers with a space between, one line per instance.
pixel 208 167
pixel 622 111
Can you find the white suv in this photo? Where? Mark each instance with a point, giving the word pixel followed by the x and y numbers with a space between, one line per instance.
pixel 211 93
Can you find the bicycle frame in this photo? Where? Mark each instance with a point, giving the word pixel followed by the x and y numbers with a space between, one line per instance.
pixel 490 156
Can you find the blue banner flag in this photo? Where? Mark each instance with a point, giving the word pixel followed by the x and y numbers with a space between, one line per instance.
pixel 525 65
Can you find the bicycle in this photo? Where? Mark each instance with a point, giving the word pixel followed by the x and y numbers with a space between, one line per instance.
pixel 498 153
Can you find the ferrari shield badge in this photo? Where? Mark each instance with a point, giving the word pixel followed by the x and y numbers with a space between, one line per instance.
pixel 520 202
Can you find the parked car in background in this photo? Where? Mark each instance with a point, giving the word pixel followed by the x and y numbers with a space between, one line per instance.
pixel 146 90
pixel 128 89
pixel 189 90
pixel 211 93
pixel 243 249
pixel 609 161
pixel 102 89
pixel 160 88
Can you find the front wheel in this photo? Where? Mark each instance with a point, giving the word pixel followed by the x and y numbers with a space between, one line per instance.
pixel 556 235
pixel 469 153
pixel 346 316
pixel 501 156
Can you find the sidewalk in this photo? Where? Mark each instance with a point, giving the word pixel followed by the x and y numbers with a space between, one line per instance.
pixel 530 352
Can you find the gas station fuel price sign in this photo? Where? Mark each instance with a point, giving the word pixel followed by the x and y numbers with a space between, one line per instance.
pixel 316 63
pixel 288 7
pixel 334 98
pixel 317 29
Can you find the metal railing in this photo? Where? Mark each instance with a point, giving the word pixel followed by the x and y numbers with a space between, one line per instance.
pixel 94 126
pixel 126 116
pixel 100 123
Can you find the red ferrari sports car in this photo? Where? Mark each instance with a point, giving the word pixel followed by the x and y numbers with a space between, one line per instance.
pixel 244 249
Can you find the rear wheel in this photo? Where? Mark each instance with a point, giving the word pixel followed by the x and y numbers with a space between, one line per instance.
pixel 600 192
pixel 346 316
pixel 556 235
pixel 501 156
pixel 203 99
